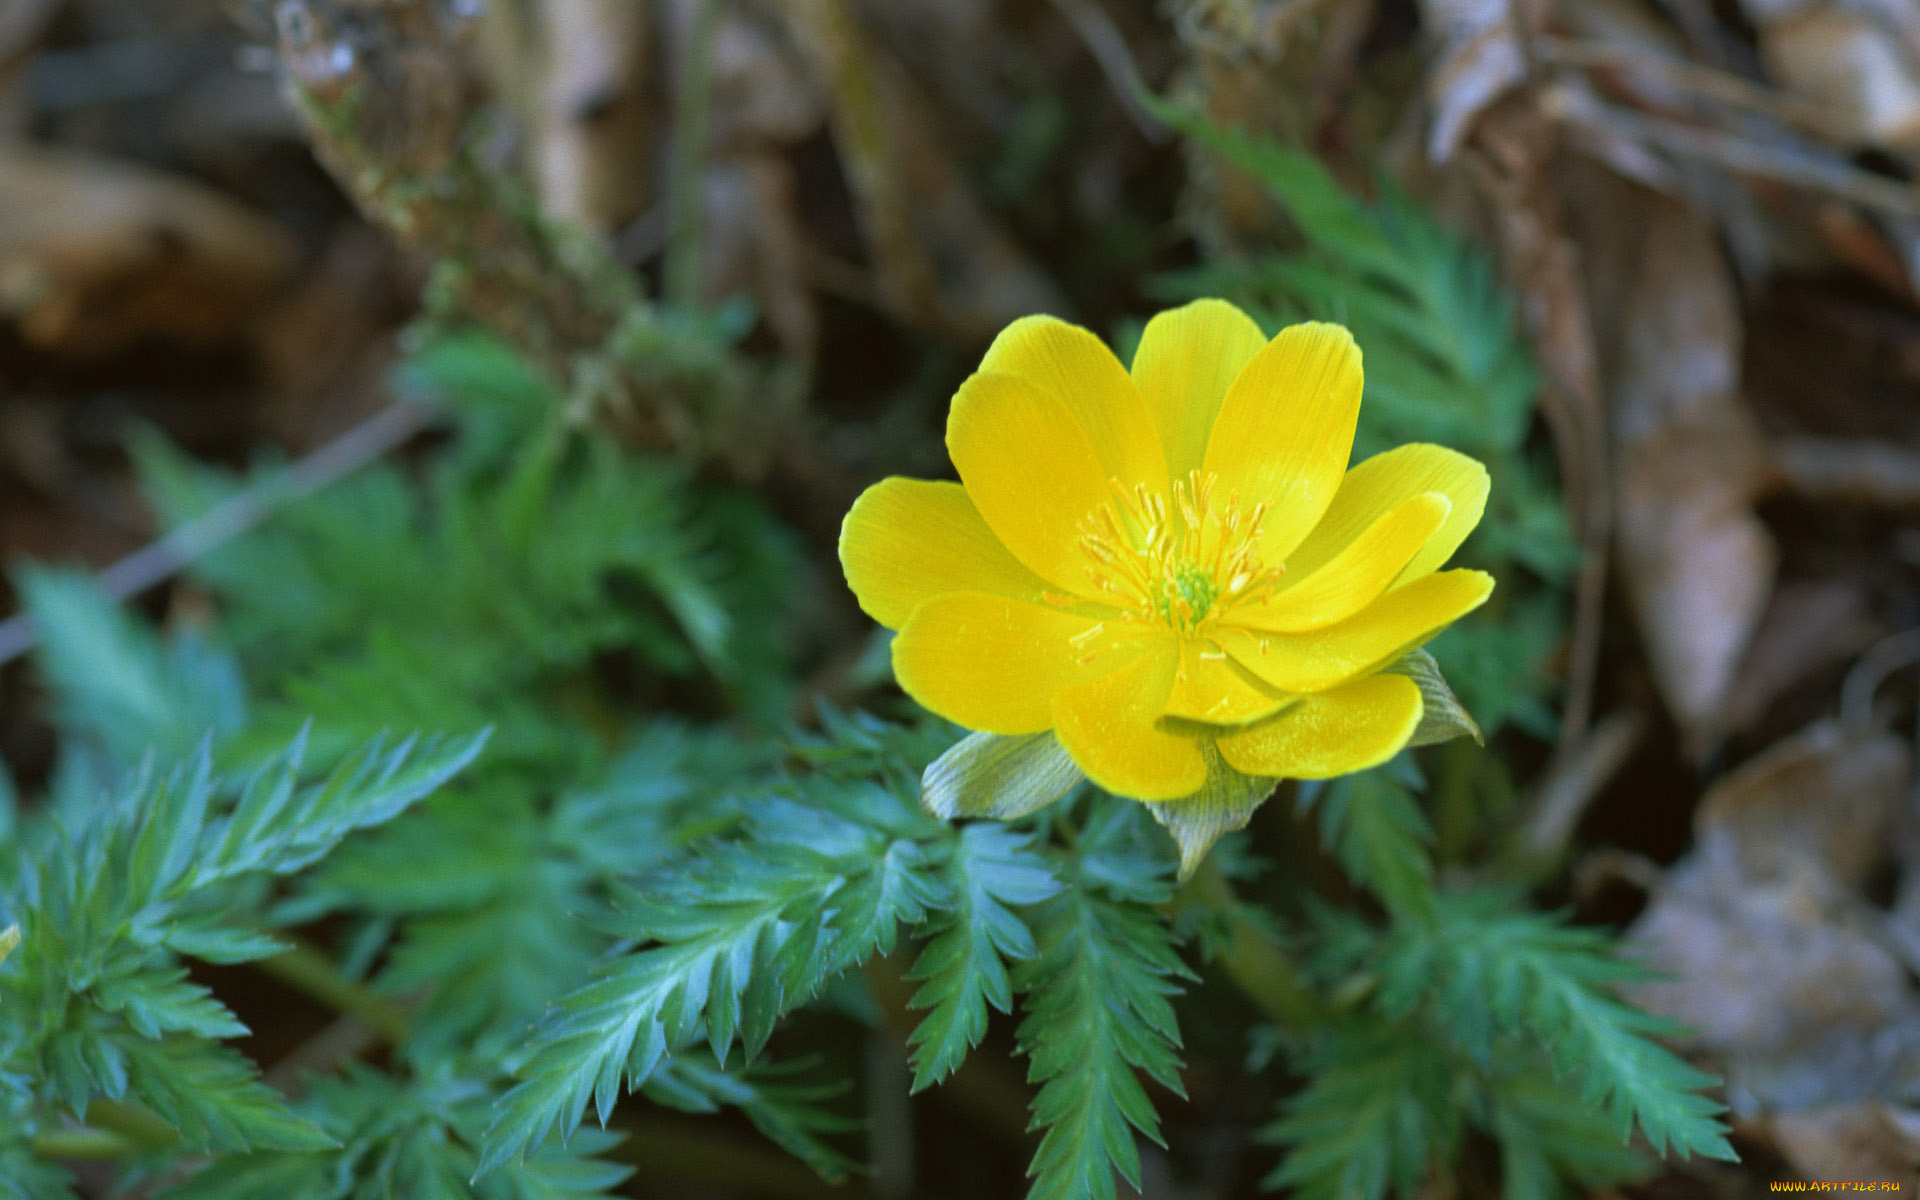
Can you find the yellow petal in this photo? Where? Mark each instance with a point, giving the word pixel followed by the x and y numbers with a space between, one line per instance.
pixel 1029 469
pixel 1075 366
pixel 1349 728
pixel 1187 359
pixel 1355 577
pixel 1385 480
pixel 989 662
pixel 907 540
pixel 1210 687
pixel 1107 724
pixel 1285 430
pixel 1389 627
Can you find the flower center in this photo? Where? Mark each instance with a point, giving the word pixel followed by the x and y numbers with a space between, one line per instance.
pixel 1177 563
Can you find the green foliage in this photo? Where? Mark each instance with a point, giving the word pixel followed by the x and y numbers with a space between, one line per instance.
pixel 636 878
pixel 98 1004
pixel 963 969
pixel 1098 1011
pixel 1486 967
pixel 119 690
pixel 729 937
pixel 527 551
pixel 1380 1109
pixel 1505 1016
pixel 403 1137
pixel 1374 826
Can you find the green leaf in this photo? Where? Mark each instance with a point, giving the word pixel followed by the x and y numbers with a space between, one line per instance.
pixel 735 936
pixel 1375 828
pixel 160 1002
pixel 403 1138
pixel 1380 1109
pixel 992 775
pixel 786 1111
pixel 1096 999
pixel 990 872
pixel 9 938
pixel 210 1095
pixel 1552 1144
pixel 1485 965
pixel 113 679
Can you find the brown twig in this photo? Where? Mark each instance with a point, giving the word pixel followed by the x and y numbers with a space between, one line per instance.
pixel 160 559
pixel 1734 153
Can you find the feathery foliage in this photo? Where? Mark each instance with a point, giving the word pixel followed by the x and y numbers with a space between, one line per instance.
pixel 963 969
pixel 1098 1012
pixel 98 1004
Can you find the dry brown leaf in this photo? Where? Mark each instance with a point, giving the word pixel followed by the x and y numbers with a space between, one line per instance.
pixel 1869 1140
pixel 1769 956
pixel 1809 626
pixel 1479 60
pixel 1853 65
pixel 97 253
pixel 1697 563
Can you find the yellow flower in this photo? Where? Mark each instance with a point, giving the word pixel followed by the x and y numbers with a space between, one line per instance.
pixel 1170 568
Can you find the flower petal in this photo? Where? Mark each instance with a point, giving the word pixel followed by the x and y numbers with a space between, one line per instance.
pixel 1385 480
pixel 989 662
pixel 1389 627
pixel 1217 691
pixel 1285 430
pixel 1187 359
pixel 907 540
pixel 1107 724
pixel 1072 364
pixel 1349 728
pixel 1030 470
pixel 1355 577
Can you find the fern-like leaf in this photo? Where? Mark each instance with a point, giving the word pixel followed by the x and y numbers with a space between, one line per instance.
pixel 1096 999
pixel 1487 966
pixel 733 937
pixel 963 968
pixel 1380 1109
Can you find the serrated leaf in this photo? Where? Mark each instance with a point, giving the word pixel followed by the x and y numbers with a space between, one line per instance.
pixel 1376 830
pixel 990 872
pixel 1485 966
pixel 998 776
pixel 1097 1012
pixel 157 1003
pixel 213 1099
pixel 1379 1110
pixel 744 932
pixel 785 1110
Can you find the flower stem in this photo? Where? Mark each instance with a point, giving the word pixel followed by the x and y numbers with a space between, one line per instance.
pixel 306 969
pixel 1254 959
pixel 113 1130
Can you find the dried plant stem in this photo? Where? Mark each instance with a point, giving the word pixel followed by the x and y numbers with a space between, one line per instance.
pixel 680 282
pixel 156 561
pixel 1789 165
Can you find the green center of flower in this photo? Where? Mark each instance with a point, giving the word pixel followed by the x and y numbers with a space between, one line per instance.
pixel 1177 561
